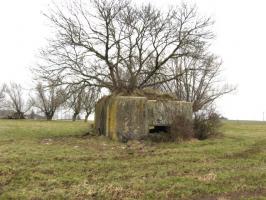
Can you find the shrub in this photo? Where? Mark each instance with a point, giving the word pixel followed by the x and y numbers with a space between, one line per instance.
pixel 206 125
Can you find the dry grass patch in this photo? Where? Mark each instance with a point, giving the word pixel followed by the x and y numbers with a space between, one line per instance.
pixel 57 160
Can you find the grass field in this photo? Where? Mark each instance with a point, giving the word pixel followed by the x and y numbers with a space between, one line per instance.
pixel 55 160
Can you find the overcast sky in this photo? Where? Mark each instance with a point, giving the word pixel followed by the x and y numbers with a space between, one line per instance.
pixel 240 42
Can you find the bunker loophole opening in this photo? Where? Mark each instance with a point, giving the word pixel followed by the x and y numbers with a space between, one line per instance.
pixel 160 129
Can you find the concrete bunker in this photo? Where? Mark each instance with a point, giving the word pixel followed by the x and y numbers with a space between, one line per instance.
pixel 134 116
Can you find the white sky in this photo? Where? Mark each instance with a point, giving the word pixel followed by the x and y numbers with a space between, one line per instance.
pixel 240 28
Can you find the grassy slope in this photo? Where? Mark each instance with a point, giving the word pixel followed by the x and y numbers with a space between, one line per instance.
pixel 52 160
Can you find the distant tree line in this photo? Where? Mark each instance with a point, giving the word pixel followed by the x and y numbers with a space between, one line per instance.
pixel 46 99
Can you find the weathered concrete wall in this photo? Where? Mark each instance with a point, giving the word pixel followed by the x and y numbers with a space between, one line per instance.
pixel 119 116
pixel 162 112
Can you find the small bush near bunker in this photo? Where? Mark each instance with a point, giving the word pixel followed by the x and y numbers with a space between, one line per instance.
pixel 206 125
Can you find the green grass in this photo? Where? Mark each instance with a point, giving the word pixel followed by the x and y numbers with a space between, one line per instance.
pixel 54 160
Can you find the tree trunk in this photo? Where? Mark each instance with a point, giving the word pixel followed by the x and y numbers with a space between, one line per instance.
pixel 49 116
pixel 21 115
pixel 74 117
pixel 87 116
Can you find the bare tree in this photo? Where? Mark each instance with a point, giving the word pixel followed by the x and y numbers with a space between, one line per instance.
pixel 2 94
pixel 201 81
pixel 118 45
pixel 48 99
pixel 75 101
pixel 90 97
pixel 16 100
